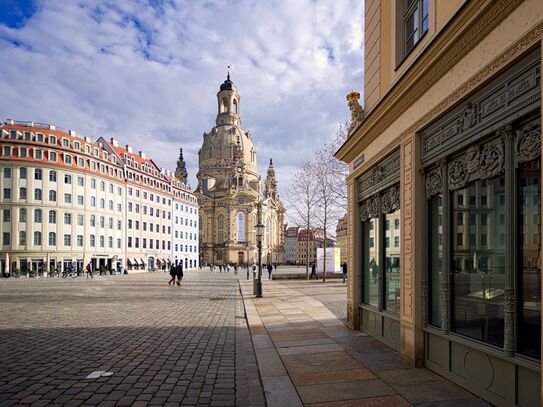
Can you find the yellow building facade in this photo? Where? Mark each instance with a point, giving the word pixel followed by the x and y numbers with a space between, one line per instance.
pixel 449 150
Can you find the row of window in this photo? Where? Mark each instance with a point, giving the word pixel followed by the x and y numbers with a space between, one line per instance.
pixel 152 226
pixel 52 240
pixel 53 156
pixel 135 242
pixel 67 198
pixel 52 217
pixel 38 176
pixel 188 248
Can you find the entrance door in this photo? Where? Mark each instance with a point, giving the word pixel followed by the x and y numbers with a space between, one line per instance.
pixel 241 258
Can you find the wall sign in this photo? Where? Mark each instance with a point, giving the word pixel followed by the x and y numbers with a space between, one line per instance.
pixel 240 227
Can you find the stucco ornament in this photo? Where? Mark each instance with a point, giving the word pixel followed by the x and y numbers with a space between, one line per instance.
pixel 458 172
pixel 390 200
pixel 434 182
pixel 374 206
pixel 528 143
pixel 472 156
pixel 364 215
pixel 469 118
pixel 357 111
pixel 492 159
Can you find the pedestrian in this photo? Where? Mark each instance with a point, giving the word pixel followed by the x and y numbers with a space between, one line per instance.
pixel 269 267
pixel 344 269
pixel 313 271
pixel 236 269
pixel 274 266
pixel 89 270
pixel 228 268
pixel 220 268
pixel 247 270
pixel 163 267
pixel 173 273
pixel 254 270
pixel 179 273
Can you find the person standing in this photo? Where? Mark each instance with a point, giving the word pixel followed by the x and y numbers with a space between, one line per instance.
pixel 179 273
pixel 173 273
pixel 89 270
pixel 236 269
pixel 344 269
pixel 270 269
pixel 313 271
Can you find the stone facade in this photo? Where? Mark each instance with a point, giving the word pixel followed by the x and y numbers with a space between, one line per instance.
pixel 230 193
pixel 456 106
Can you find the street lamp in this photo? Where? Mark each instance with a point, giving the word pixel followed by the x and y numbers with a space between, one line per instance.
pixel 259 233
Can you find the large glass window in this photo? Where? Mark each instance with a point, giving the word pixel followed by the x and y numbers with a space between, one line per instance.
pixel 529 258
pixel 478 268
pixel 436 259
pixel 392 264
pixel 415 22
pixel 371 262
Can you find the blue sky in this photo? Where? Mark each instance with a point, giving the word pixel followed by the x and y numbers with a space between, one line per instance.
pixel 147 71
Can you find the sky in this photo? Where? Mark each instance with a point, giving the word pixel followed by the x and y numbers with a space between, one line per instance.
pixel 147 71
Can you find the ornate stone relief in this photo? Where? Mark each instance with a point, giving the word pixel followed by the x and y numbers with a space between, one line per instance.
pixel 374 206
pixel 487 161
pixel 390 200
pixel 528 143
pixel 434 182
pixel 380 176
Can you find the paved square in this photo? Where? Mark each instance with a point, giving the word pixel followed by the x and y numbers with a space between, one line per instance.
pixel 165 345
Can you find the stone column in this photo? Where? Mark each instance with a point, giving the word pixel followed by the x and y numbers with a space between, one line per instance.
pixel 353 256
pixel 412 231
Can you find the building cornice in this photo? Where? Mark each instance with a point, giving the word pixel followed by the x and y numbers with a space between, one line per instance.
pixel 474 22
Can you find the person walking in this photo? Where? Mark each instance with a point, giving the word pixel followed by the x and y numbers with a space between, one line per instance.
pixel 220 268
pixel 313 271
pixel 228 268
pixel 270 269
pixel 274 266
pixel 173 273
pixel 344 269
pixel 179 273
pixel 89 270
pixel 236 269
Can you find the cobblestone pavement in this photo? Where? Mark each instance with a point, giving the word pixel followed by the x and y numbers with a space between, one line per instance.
pixel 185 345
pixel 332 294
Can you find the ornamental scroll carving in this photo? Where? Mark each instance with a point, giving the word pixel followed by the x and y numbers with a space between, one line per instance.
pixel 374 206
pixel 528 143
pixel 434 182
pixel 486 161
pixel 390 200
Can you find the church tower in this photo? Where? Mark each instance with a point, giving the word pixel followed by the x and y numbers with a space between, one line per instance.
pixel 229 190
pixel 270 185
pixel 181 170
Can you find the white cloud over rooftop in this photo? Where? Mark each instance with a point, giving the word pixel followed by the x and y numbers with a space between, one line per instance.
pixel 147 72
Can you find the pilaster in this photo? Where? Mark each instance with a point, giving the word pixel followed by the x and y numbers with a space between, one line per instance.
pixel 353 257
pixel 411 335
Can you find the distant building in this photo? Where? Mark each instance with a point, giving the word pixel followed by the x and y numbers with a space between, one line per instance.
pixel 341 238
pixel 230 192
pixel 315 241
pixel 291 244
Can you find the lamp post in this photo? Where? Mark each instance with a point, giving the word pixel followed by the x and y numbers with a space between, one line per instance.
pixel 259 233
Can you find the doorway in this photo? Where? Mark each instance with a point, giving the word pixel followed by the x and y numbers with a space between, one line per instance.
pixel 241 258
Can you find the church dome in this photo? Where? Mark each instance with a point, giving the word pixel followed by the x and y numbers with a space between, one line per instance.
pixel 228 84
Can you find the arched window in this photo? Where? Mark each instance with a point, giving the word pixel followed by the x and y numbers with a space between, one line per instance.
pixel 93 220
pixel 52 217
pixel 37 194
pixel 220 222
pixel 224 105
pixel 37 238
pixel 235 106
pixel 52 196
pixel 52 239
pixel 22 238
pixel 37 216
pixel 22 215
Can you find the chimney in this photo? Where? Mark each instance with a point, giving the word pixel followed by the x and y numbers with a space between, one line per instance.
pixel 30 124
pixel 11 121
pixel 129 148
pixel 88 139
pixel 100 144
pixel 114 142
pixel 142 155
pixel 71 133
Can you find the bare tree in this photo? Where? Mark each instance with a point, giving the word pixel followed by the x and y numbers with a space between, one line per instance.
pixel 302 197
pixel 330 174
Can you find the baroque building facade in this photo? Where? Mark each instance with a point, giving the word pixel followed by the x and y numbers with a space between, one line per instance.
pixel 447 158
pixel 230 194
pixel 68 200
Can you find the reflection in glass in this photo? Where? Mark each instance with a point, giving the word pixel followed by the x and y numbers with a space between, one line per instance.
pixel 371 262
pixel 436 259
pixel 529 259
pixel 478 261
pixel 392 264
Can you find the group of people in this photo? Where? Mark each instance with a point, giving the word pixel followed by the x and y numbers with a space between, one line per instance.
pixel 314 271
pixel 176 272
pixel 226 268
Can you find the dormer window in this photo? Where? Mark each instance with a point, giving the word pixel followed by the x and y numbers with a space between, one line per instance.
pixel 65 142
pixel 96 152
pixel 77 145
pixel 52 139
pixel 87 149
pixel 67 159
pixel 28 136
pixel 40 137
pixel 13 134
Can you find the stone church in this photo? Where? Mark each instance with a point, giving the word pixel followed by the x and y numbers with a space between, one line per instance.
pixel 230 193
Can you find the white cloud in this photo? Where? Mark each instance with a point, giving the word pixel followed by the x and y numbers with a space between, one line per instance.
pixel 147 72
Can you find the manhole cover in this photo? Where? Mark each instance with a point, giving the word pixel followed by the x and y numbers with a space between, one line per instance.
pixel 217 299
